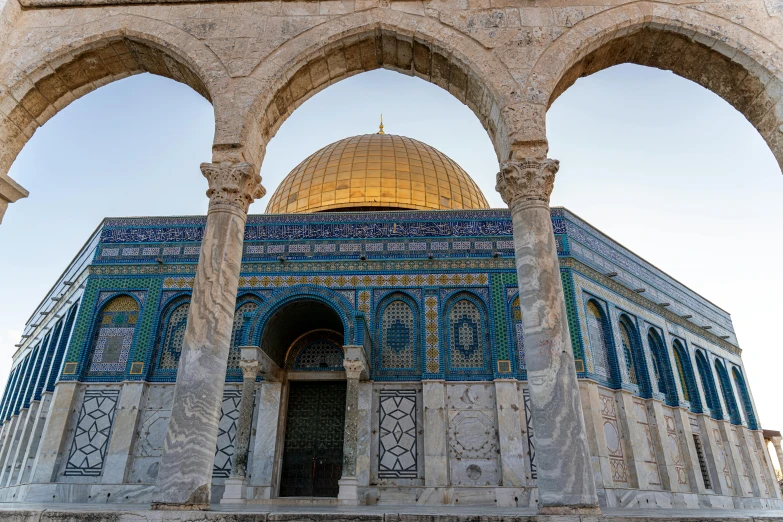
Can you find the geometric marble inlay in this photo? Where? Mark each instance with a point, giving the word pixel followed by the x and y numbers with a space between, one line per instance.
pixel 397 441
pixel 91 439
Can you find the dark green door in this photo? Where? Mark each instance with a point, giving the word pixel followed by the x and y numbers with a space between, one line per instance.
pixel 313 449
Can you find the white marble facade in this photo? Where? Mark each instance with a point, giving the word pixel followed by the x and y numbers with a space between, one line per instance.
pixel 644 452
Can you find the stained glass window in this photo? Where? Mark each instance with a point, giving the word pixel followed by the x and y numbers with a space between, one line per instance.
pixel 466 335
pixel 519 334
pixel 596 331
pixel 171 346
pixel 398 336
pixel 630 363
pixel 114 336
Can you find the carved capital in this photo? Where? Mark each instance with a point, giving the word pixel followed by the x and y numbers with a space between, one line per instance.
pixel 249 369
pixel 353 368
pixel 529 179
pixel 232 184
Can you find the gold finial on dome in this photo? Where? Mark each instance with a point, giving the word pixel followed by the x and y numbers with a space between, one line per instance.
pixel 380 127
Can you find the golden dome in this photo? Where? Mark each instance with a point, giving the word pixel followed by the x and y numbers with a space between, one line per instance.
pixel 376 172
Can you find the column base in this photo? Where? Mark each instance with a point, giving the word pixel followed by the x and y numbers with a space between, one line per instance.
pixel 349 491
pixel 569 510
pixel 235 491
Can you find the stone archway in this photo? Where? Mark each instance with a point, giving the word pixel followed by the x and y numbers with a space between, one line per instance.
pixel 37 86
pixel 737 64
pixel 375 39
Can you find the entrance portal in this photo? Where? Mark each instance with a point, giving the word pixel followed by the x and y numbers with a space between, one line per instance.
pixel 313 449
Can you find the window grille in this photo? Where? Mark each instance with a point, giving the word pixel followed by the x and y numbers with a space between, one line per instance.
pixel 702 461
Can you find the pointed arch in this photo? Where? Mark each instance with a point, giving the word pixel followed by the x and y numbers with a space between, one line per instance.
pixel 739 65
pixel 708 385
pixel 728 393
pixel 398 333
pixel 61 66
pixel 380 38
pixel 168 342
pixel 114 334
pixel 600 340
pixel 664 379
pixel 517 335
pixel 633 353
pixel 467 337
pixel 747 404
pixel 685 373
pixel 246 307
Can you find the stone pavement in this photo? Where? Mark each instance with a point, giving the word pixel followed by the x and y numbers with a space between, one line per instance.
pixel 286 513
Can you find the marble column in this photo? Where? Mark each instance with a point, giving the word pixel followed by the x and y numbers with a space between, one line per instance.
pixel 777 441
pixel 236 483
pixel 565 478
pixel 185 475
pixel 348 493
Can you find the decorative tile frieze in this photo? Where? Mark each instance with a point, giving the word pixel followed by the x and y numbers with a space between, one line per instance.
pixel 346 280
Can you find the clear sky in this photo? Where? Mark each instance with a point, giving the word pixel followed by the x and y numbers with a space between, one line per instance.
pixel 663 166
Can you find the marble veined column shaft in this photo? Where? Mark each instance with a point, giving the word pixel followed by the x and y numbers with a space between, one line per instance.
pixel 185 475
pixel 348 493
pixel 565 475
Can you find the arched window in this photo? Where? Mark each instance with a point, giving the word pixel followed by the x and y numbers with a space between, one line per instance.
pixel 398 336
pixel 685 374
pixel 628 341
pixel 316 351
pixel 170 339
pixel 661 368
pixel 518 332
pixel 708 384
pixel 728 393
pixel 246 305
pixel 467 336
pixel 747 406
pixel 113 338
pixel 598 334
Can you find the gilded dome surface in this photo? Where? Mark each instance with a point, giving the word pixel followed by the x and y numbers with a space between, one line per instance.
pixel 376 172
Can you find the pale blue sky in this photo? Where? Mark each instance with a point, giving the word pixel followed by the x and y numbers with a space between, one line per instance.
pixel 658 163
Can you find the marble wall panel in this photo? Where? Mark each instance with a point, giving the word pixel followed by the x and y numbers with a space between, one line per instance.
pixel 397 456
pixel 648 456
pixel 614 438
pixel 90 442
pixel 151 433
pixel 473 434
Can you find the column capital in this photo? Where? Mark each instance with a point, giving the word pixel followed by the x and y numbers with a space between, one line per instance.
pixel 232 184
pixel 249 369
pixel 354 368
pixel 250 361
pixel 527 179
